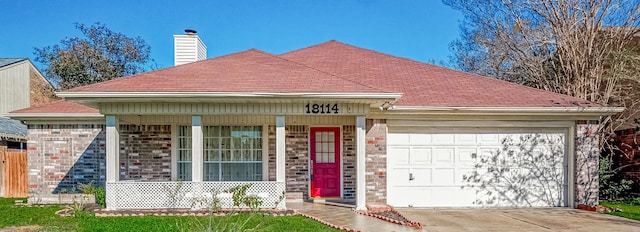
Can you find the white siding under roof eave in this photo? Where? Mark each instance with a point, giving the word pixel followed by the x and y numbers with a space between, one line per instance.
pixel 227 108
pixel 14 87
pixel 235 120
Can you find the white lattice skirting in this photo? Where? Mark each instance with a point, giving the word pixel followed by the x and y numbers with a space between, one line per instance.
pixel 160 195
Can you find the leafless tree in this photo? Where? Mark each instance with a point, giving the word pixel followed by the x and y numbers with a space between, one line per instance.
pixel 583 48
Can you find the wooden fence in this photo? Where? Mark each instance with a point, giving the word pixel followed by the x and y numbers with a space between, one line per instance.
pixel 13 174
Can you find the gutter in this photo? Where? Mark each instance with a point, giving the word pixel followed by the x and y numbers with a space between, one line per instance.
pixel 28 118
pixel 18 116
pixel 594 111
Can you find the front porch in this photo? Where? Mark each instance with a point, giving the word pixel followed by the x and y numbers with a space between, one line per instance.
pixel 189 161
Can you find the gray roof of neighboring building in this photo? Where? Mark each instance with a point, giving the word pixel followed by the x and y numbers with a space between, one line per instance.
pixel 8 61
pixel 10 128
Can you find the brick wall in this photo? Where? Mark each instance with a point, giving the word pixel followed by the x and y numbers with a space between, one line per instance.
pixel 145 152
pixel 586 161
pixel 297 159
pixel 349 162
pixel 376 161
pixel 629 144
pixel 271 162
pixel 60 157
pixel 41 91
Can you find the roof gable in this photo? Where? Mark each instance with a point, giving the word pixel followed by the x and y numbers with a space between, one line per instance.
pixel 424 84
pixel 249 71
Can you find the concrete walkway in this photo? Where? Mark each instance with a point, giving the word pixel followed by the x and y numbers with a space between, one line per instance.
pixel 346 217
pixel 536 219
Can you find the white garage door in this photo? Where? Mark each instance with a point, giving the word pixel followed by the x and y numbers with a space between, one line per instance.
pixel 476 168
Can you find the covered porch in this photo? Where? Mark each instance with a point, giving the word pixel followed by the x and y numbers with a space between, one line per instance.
pixel 159 159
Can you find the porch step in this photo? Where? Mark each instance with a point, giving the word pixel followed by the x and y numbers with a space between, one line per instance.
pixel 339 204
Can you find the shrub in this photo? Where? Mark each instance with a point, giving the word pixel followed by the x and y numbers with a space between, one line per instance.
pixel 98 193
pixel 613 187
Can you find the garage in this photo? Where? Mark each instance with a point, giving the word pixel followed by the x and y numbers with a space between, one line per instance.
pixel 500 167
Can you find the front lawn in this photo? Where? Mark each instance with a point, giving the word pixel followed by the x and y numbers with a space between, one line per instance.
pixel 45 219
pixel 628 210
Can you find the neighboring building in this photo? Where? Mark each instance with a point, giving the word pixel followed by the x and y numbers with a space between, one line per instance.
pixel 330 121
pixel 13 134
pixel 628 134
pixel 21 85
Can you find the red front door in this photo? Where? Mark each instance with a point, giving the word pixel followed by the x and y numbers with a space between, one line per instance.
pixel 325 162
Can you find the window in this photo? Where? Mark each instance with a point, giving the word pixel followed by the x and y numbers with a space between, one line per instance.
pixel 325 147
pixel 184 153
pixel 230 153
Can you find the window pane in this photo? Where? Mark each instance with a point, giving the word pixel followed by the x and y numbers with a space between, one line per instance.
pixel 184 171
pixel 236 155
pixel 257 143
pixel 211 155
pixel 241 171
pixel 332 157
pixel 184 155
pixel 211 171
pixel 225 131
pixel 226 155
pixel 237 143
pixel 226 143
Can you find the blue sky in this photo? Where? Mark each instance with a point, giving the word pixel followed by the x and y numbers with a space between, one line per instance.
pixel 415 29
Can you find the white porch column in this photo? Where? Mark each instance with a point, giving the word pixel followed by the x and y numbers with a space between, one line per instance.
pixel 280 149
pixel 360 163
pixel 196 148
pixel 113 149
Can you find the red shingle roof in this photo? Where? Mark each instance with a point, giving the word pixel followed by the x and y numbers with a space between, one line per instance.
pixel 330 67
pixel 248 71
pixel 424 84
pixel 60 106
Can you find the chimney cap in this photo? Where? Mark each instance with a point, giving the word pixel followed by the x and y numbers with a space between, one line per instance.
pixel 190 31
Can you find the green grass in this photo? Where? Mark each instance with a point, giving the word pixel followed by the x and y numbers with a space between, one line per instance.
pixel 46 218
pixel 628 210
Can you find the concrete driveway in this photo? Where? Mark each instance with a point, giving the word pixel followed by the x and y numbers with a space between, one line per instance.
pixel 553 219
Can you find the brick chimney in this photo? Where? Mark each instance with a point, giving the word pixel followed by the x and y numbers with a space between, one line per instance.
pixel 188 48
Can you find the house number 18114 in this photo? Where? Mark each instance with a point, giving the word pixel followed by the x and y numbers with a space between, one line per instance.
pixel 321 108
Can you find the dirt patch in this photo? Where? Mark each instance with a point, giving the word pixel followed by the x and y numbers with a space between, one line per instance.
pixel 22 228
